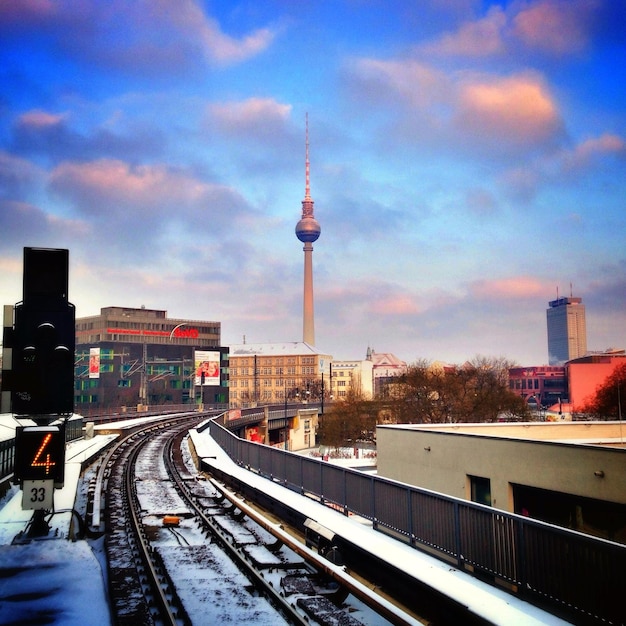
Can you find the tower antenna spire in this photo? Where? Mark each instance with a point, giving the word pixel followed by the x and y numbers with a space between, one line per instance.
pixel 307 185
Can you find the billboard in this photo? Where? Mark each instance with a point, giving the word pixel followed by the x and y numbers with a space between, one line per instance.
pixel 207 367
pixel 94 362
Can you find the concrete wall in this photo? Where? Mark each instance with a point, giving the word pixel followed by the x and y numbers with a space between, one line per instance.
pixel 301 438
pixel 442 459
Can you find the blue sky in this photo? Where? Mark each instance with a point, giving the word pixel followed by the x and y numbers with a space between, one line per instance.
pixel 467 159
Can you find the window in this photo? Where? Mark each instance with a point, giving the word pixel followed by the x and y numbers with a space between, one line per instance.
pixel 480 490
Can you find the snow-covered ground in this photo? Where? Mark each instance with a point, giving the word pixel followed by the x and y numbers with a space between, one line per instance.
pixel 52 580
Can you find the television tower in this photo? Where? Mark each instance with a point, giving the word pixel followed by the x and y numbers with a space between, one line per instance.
pixel 308 230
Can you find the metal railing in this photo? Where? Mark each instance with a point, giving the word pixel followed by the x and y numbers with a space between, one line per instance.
pixel 569 573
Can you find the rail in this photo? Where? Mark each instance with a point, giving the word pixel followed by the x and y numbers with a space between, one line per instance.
pixel 578 576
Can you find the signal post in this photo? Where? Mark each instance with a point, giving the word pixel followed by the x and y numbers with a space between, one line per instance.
pixel 41 379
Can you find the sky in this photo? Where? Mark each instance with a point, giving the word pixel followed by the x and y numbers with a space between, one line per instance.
pixel 467 163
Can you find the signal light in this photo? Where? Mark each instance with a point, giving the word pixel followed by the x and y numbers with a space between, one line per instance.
pixel 44 338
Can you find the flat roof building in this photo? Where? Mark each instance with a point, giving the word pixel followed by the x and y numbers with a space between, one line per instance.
pixel 276 372
pixel 572 474
pixel 136 356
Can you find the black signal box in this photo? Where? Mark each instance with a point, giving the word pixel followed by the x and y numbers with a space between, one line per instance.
pixel 44 338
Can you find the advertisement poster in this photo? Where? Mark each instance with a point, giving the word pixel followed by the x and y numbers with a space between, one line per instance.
pixel 207 368
pixel 94 362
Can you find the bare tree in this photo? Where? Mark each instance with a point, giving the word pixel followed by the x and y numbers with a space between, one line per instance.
pixel 475 391
pixel 350 419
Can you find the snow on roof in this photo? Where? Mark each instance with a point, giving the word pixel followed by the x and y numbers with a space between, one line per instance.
pixel 286 348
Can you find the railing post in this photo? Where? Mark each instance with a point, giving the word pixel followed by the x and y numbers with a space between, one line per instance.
pixel 457 535
pixel 409 515
pixel 520 557
pixel 373 503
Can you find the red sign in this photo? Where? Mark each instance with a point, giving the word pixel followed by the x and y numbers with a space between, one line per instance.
pixel 191 333
pixel 180 333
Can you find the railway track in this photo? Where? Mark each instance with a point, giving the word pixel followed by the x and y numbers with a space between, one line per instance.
pixel 182 551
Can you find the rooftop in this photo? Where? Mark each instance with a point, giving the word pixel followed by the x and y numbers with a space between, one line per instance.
pixel 606 434
pixel 284 348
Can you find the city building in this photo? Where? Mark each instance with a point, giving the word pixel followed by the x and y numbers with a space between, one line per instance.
pixel 572 474
pixel 139 357
pixel 308 230
pixel 351 376
pixel 586 374
pixel 567 330
pixel 542 385
pixel 272 373
pixel 386 367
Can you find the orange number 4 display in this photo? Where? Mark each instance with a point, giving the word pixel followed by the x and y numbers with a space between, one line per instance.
pixel 40 454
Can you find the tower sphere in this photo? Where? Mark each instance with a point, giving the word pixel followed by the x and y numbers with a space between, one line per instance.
pixel 308 229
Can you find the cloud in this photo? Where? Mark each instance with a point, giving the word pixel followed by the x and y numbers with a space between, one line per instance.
pixel 559 27
pixel 592 149
pixel 482 37
pixel 258 118
pixel 49 136
pixel 516 109
pixel 471 109
pixel 480 202
pixel 139 209
pixel 395 305
pixel 17 175
pixel 21 221
pixel 583 158
pixel 554 27
pixel 501 290
pixel 152 189
pixel 148 35
pixel 414 81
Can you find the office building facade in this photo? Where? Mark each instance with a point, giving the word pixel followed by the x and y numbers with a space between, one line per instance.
pixel 567 330
pixel 127 357
pixel 270 373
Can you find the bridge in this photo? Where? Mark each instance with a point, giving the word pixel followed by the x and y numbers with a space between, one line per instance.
pixel 575 576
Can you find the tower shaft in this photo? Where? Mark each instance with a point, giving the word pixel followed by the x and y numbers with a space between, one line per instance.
pixel 308 318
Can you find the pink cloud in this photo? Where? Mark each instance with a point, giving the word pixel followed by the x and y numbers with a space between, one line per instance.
pixel 39 119
pixel 147 186
pixel 247 113
pixel 34 10
pixel 477 38
pixel 555 26
pixel 415 81
pixel 191 20
pixel 516 109
pixel 595 147
pixel 508 288
pixel 395 305
pixel 150 35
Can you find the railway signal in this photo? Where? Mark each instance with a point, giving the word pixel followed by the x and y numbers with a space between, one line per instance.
pixel 44 339
pixel 42 379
